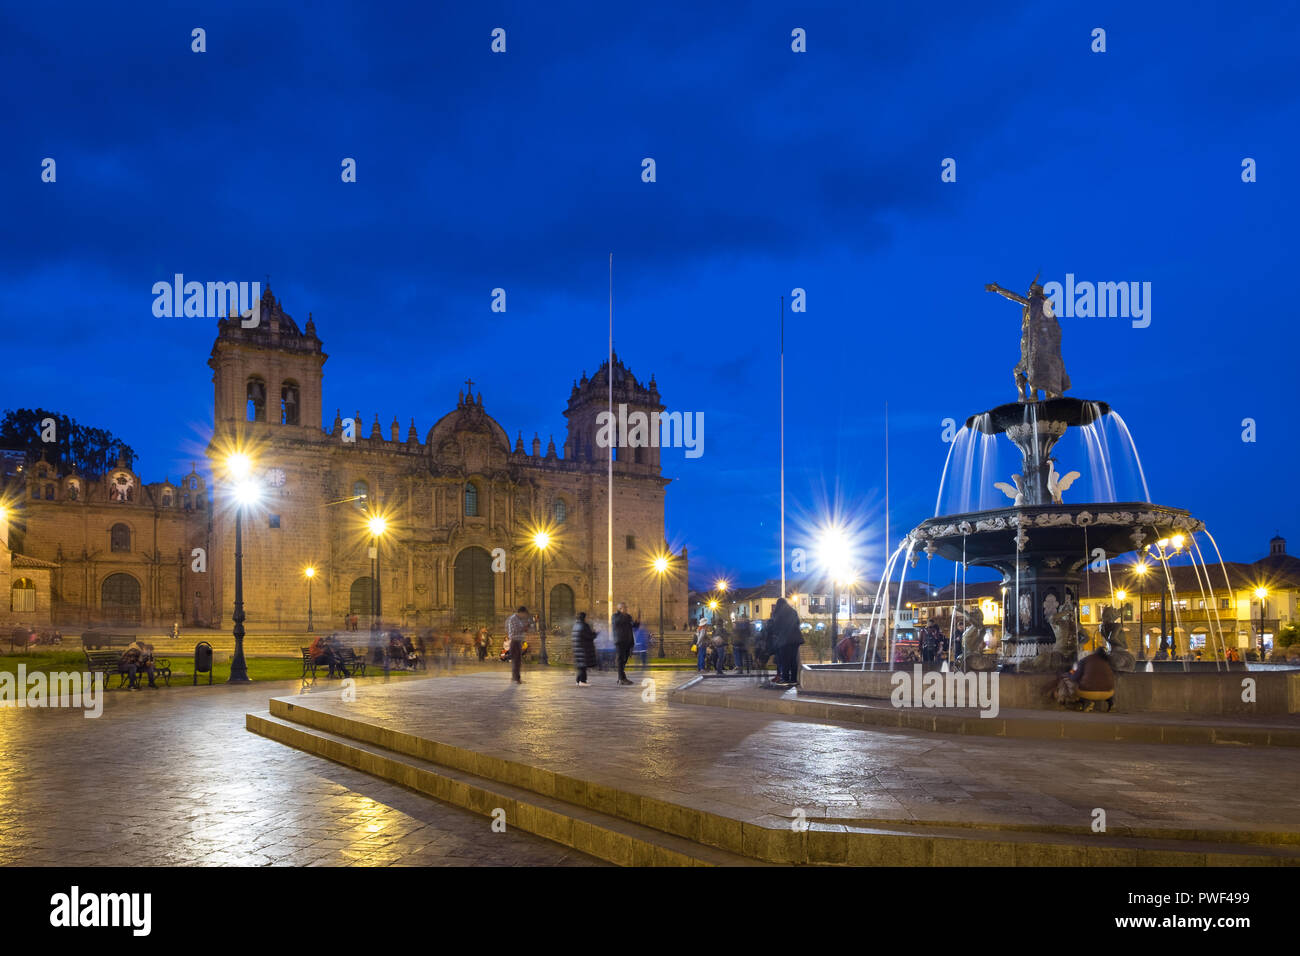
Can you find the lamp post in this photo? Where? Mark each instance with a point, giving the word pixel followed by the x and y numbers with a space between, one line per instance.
pixel 310 572
pixel 542 541
pixel 1140 569
pixel 377 525
pixel 238 468
pixel 661 567
pixel 1262 594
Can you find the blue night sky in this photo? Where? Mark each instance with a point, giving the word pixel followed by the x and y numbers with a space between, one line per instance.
pixel 775 171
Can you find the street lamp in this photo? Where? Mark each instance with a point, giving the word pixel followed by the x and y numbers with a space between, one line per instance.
pixel 238 468
pixel 310 572
pixel 1262 594
pixel 1140 569
pixel 835 559
pixel 377 525
pixel 1158 550
pixel 661 568
pixel 542 541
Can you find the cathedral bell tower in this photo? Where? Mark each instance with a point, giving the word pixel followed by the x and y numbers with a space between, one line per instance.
pixel 268 376
pixel 633 428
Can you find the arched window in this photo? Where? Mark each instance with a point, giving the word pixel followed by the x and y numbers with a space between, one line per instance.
pixel 360 491
pixel 119 537
pixel 256 400
pixel 289 403
pixel 186 500
pixel 201 504
pixel 471 499
pixel 167 497
pixel 22 595
pixel 49 492
pixel 561 511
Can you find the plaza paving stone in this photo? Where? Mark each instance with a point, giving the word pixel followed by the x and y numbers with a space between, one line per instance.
pixel 749 765
pixel 171 777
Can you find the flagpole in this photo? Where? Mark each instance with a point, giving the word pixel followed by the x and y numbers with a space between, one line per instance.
pixel 609 510
pixel 782 428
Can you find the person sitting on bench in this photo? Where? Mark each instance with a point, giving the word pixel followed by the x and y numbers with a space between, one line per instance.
pixel 138 656
pixel 325 650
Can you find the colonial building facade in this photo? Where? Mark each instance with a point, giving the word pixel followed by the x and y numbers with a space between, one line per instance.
pixel 461 508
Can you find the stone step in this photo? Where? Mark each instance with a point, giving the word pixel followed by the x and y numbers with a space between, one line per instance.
pixel 757 838
pixel 582 829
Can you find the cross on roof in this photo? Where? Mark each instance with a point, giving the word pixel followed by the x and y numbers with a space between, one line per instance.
pixel 469 384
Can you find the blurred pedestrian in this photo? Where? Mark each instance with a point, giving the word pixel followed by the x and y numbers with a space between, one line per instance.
pixel 517 630
pixel 641 644
pixel 584 647
pixel 624 640
pixel 740 641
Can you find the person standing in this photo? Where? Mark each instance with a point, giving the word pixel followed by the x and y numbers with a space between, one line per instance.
pixel 786 638
pixel 701 641
pixel 516 631
pixel 624 639
pixel 740 638
pixel 584 647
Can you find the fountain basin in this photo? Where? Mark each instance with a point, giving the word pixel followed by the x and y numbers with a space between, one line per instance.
pixel 1187 693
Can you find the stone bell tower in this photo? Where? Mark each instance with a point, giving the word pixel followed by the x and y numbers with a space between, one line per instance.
pixel 590 398
pixel 267 376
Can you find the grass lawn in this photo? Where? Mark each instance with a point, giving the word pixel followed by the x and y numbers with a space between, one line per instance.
pixel 259 668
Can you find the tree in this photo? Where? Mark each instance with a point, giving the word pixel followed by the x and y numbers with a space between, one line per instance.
pixel 91 452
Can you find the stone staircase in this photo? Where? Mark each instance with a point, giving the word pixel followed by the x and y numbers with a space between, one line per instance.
pixel 636 829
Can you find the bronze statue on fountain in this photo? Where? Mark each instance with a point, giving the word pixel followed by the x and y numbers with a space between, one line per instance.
pixel 1040 544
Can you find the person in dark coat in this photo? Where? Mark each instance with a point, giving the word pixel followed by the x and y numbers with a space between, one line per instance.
pixel 624 640
pixel 785 637
pixel 1095 679
pixel 584 647
pixel 740 639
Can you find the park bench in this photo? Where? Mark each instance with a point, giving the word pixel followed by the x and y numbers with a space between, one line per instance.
pixel 98 640
pixel 352 662
pixel 110 662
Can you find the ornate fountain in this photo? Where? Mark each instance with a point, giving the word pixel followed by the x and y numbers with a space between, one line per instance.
pixel 1041 545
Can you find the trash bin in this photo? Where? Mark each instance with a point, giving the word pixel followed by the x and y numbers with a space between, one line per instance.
pixel 202 660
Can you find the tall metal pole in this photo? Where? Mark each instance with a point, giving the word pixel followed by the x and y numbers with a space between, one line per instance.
pixel 609 493
pixel 782 430
pixel 835 616
pixel 661 614
pixel 542 617
pixel 238 667
pixel 1142 631
pixel 309 622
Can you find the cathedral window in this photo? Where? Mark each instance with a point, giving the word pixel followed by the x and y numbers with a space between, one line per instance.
pixel 49 492
pixel 120 539
pixel 361 492
pixel 471 499
pixel 167 497
pixel 561 511
pixel 631 542
pixel 289 403
pixel 256 400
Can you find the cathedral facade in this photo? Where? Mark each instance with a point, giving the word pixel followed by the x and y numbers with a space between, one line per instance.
pixel 461 507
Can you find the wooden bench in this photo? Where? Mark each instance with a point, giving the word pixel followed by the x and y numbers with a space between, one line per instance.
pixel 110 662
